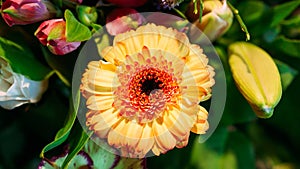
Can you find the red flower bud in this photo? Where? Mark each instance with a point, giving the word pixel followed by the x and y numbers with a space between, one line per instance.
pixel 22 12
pixel 121 20
pixel 52 34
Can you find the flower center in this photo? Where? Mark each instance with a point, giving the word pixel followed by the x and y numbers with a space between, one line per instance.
pixel 148 80
pixel 148 93
pixel 151 88
pixel 150 84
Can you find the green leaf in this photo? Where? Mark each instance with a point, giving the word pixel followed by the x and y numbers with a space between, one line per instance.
pixel 287 73
pixel 79 139
pixel 63 133
pixel 213 150
pixel 239 153
pixel 58 2
pixel 288 46
pixel 237 109
pixel 130 163
pixel 75 31
pixel 292 22
pixel 62 65
pixel 291 27
pixel 22 61
pixel 225 149
pixel 95 27
pixel 271 34
pixel 282 11
pixel 78 162
pixel 103 155
pixel 256 16
pixel 252 11
pixel 78 136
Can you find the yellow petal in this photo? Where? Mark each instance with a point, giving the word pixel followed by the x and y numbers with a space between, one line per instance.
pixel 174 42
pixel 256 76
pixel 115 136
pixel 165 141
pixel 115 54
pixel 201 124
pixel 184 142
pixel 198 73
pixel 133 132
pixel 99 79
pixel 101 122
pixel 132 41
pixel 197 60
pixel 126 135
pixel 154 37
pixel 178 123
pixel 147 140
pixel 156 150
pixel 96 102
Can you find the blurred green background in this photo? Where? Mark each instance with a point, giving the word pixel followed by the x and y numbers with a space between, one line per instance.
pixel 241 141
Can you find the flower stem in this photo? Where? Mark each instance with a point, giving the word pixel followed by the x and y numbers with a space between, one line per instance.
pixel 179 13
pixel 240 21
pixel 200 9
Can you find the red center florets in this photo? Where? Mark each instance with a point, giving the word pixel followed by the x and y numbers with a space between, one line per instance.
pixel 148 93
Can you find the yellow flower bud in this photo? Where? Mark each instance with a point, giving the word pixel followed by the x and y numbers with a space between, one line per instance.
pixel 216 19
pixel 256 76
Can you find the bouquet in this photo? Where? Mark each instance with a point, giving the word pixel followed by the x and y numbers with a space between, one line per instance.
pixel 149 84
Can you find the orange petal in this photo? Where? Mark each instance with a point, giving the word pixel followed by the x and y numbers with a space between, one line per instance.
pixel 125 134
pixel 132 41
pixel 101 77
pixel 101 122
pixel 115 136
pixel 197 59
pixel 179 123
pixel 201 125
pixel 95 102
pixel 156 151
pixel 165 141
pixel 98 79
pixel 133 132
pixel 147 140
pixel 115 54
pixel 184 142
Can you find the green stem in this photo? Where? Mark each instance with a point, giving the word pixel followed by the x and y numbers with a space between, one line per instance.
pixel 201 11
pixel 179 13
pixel 240 21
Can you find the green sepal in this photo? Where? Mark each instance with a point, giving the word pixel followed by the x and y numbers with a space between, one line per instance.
pixel 75 31
pixel 57 32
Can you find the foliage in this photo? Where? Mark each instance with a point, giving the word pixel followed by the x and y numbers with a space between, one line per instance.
pixel 241 141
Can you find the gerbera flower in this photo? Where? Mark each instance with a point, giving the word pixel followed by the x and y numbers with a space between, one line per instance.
pixel 145 96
